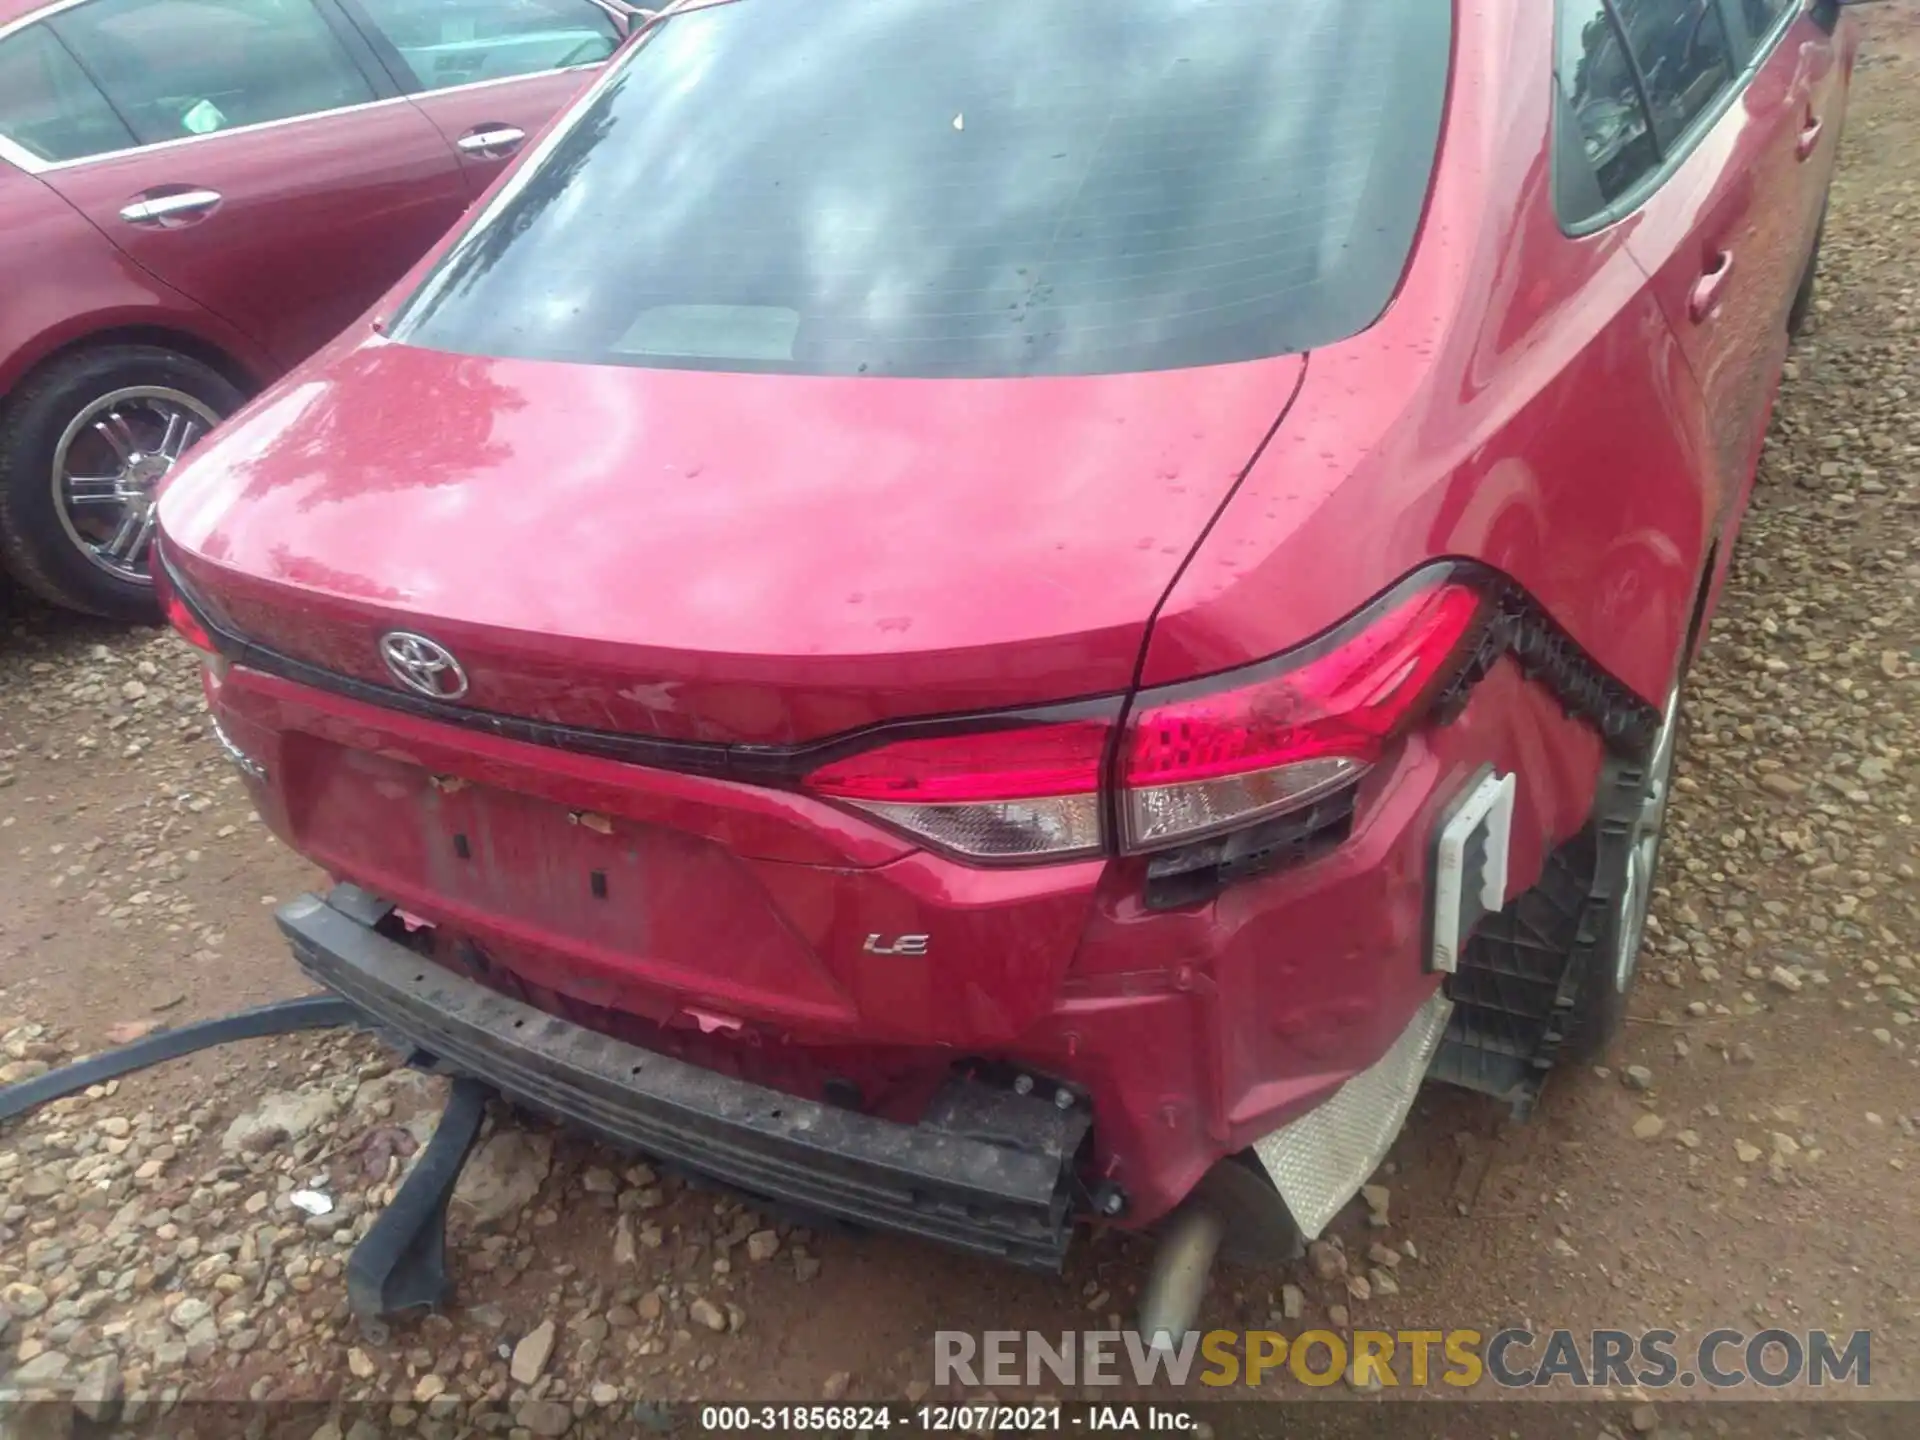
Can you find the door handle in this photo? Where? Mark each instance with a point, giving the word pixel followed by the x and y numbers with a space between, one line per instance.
pixel 1809 136
pixel 1706 290
pixel 177 208
pixel 492 142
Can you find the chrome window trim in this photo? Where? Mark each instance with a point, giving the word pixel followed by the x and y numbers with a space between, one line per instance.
pixel 20 157
pixel 45 12
pixel 502 80
pixel 33 165
pixel 392 60
pixel 47 166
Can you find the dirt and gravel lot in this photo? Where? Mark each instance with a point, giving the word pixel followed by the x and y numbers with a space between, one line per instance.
pixel 1749 1156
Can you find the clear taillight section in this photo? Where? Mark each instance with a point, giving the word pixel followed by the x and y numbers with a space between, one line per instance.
pixel 1053 827
pixel 1158 815
pixel 1193 760
pixel 1015 793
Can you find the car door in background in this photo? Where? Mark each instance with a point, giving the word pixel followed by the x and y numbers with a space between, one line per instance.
pixel 274 176
pixel 490 73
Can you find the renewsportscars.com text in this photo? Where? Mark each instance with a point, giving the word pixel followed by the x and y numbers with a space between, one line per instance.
pixel 1409 1359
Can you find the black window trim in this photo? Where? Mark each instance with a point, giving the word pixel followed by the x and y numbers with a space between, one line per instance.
pixel 356 44
pixel 1758 49
pixel 384 51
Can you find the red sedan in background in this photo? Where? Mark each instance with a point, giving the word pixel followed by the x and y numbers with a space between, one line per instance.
pixel 972 613
pixel 195 195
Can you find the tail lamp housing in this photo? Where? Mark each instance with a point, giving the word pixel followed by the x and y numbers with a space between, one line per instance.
pixel 1009 792
pixel 1171 766
pixel 174 609
pixel 182 613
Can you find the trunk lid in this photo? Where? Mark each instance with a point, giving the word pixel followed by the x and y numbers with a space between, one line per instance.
pixel 725 558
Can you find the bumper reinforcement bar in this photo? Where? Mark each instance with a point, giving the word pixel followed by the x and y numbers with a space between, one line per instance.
pixel 986 1170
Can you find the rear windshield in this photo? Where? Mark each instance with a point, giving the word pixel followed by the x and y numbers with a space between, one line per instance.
pixel 967 188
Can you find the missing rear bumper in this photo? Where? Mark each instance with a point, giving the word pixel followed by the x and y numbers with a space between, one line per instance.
pixel 987 1171
pixel 1319 1161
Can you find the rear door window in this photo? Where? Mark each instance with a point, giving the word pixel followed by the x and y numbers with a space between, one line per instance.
pixel 1684 57
pixel 1603 98
pixel 174 68
pixel 967 187
pixel 459 42
pixel 48 106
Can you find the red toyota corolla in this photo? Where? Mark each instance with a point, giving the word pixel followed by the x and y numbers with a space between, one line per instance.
pixel 972 614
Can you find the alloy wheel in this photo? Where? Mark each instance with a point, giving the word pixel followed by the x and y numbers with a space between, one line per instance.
pixel 1643 846
pixel 108 466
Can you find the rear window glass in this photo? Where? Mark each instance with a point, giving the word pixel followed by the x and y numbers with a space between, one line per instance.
pixel 967 187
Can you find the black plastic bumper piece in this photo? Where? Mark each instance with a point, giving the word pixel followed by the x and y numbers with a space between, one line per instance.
pixel 401 1263
pixel 986 1170
pixel 282 1017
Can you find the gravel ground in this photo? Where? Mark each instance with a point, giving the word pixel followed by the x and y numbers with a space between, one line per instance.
pixel 1750 1154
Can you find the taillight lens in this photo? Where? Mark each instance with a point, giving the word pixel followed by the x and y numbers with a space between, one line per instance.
pixel 1022 792
pixel 1256 743
pixel 175 610
pixel 1194 760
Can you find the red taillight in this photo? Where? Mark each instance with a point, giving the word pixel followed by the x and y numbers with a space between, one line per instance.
pixel 175 610
pixel 1282 735
pixel 1016 763
pixel 1196 759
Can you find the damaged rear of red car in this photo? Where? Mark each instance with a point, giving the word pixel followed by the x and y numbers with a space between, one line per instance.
pixel 964 616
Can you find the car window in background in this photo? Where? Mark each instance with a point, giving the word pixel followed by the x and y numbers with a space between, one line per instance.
pixel 456 42
pixel 48 107
pixel 1597 80
pixel 1684 57
pixel 1763 15
pixel 968 187
pixel 174 68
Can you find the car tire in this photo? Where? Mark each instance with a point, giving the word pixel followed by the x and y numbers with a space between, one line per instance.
pixel 1803 297
pixel 1630 821
pixel 84 442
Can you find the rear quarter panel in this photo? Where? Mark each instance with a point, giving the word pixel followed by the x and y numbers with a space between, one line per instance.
pixel 1522 402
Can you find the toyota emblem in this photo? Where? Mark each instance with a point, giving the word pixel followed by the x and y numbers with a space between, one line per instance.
pixel 424 666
